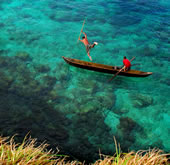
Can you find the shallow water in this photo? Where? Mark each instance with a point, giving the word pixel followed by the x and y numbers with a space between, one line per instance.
pixel 78 110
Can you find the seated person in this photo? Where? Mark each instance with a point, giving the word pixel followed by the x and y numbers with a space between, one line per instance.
pixel 126 63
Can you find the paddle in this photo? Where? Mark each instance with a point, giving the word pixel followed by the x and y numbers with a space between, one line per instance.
pixel 81 30
pixel 120 70
pixel 135 64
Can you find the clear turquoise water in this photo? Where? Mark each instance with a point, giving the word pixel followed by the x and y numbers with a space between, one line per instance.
pixel 75 109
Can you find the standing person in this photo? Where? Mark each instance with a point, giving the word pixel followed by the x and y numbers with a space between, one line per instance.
pixel 87 44
pixel 127 64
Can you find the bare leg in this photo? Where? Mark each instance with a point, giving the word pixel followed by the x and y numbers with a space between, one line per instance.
pixel 89 56
pixel 93 45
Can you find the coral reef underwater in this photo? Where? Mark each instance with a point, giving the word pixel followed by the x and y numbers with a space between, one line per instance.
pixel 77 110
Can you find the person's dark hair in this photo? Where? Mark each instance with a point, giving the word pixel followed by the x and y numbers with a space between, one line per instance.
pixel 83 37
pixel 124 57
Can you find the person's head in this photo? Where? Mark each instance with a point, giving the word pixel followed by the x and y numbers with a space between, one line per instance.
pixel 83 37
pixel 124 57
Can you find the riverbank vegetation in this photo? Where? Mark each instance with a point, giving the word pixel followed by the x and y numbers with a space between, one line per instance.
pixel 29 153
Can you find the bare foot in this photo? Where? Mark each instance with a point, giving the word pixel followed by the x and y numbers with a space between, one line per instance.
pixel 95 43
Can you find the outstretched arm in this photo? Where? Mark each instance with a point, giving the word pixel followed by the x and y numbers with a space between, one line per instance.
pixel 80 39
pixel 85 35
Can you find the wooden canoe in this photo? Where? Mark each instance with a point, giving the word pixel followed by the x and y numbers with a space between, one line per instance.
pixel 105 68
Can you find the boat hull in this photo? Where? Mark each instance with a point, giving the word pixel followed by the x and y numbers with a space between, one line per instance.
pixel 104 68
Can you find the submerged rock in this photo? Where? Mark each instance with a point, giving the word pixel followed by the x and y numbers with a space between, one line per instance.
pixel 88 107
pixel 58 133
pixel 127 124
pixel 42 68
pixel 5 81
pixel 149 50
pixel 126 131
pixel 24 104
pixel 166 81
pixel 95 133
pixel 49 80
pixel 24 56
pixel 141 100
pixel 106 100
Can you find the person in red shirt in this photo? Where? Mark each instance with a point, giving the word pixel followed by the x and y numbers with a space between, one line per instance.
pixel 127 64
pixel 87 44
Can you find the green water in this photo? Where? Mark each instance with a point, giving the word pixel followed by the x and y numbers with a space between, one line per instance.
pixel 34 35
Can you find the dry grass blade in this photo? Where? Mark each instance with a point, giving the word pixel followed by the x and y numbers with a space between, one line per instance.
pixel 25 153
pixel 28 153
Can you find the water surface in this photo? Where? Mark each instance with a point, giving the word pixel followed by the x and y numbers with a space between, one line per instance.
pixel 78 110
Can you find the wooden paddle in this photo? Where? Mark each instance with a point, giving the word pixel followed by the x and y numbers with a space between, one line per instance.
pixel 120 70
pixel 135 64
pixel 81 30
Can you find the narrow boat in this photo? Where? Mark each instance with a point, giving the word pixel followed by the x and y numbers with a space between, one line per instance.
pixel 105 68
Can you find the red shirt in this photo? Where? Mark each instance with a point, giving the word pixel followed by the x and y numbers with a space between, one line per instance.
pixel 127 63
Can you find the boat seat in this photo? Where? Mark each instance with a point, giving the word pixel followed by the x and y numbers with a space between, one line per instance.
pixel 116 67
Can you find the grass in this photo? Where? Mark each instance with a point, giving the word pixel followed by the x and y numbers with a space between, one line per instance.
pixel 25 153
pixel 142 157
pixel 29 153
pixel 147 157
